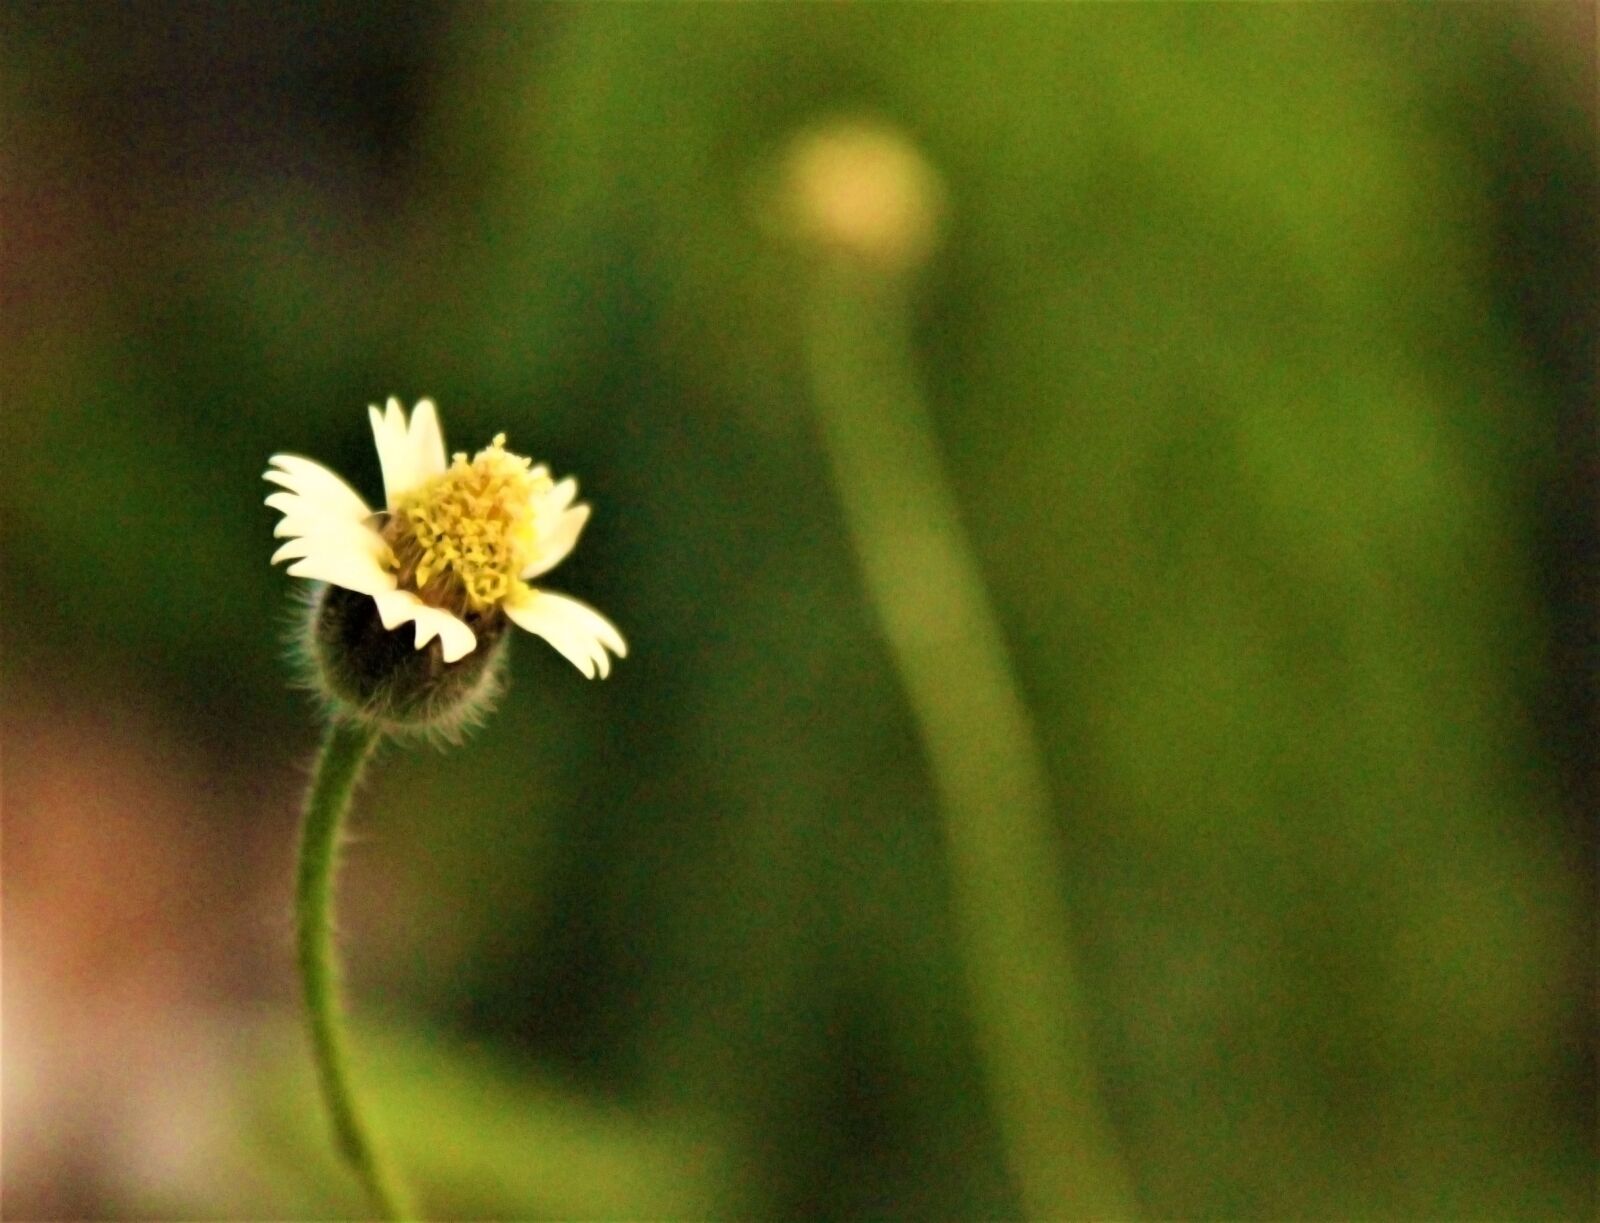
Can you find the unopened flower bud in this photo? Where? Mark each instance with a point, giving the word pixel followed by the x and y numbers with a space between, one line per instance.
pixel 862 190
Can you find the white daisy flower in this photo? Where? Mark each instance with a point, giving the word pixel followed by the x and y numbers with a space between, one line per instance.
pixel 455 545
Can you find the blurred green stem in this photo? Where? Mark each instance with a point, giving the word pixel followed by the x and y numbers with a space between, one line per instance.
pixel 922 577
pixel 344 754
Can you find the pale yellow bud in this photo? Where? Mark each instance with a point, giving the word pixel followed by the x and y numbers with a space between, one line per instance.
pixel 861 189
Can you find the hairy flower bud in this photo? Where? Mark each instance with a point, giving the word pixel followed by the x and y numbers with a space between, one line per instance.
pixel 379 676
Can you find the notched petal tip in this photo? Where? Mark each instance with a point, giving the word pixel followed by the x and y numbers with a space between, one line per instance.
pixel 456 638
pixel 562 494
pixel 578 633
pixel 558 542
pixel 614 641
pixel 427 440
pixel 394 450
pixel 409 452
pixel 308 489
pixel 296 547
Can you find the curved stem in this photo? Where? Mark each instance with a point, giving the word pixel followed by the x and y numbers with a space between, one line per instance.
pixel 339 765
pixel 1009 896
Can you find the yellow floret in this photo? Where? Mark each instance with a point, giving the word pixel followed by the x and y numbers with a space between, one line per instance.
pixel 463 538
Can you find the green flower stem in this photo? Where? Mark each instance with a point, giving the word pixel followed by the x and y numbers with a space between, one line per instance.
pixel 1009 904
pixel 344 754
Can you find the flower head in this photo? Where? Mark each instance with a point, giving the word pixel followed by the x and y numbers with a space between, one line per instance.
pixel 451 552
pixel 861 189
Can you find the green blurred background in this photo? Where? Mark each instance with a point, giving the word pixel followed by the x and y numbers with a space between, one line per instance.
pixel 1261 351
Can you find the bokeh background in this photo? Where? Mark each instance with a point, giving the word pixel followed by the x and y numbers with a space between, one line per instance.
pixel 1260 347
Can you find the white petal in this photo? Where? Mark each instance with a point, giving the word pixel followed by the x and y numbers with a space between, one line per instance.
pixel 302 517
pixel 316 486
pixel 556 542
pixel 581 634
pixel 427 441
pixel 396 607
pixel 293 504
pixel 559 497
pixel 351 567
pixel 393 441
pixel 328 534
pixel 456 640
pixel 300 524
pixel 321 531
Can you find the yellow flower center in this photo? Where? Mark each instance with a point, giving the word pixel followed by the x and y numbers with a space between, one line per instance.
pixel 461 540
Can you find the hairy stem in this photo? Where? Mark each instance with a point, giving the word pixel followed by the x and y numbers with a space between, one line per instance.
pixel 339 766
pixel 1009 897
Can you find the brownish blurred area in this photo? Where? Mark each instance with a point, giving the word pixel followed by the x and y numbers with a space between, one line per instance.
pixel 137 934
